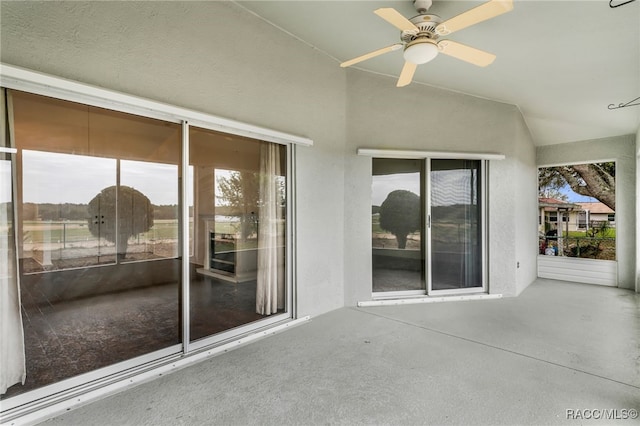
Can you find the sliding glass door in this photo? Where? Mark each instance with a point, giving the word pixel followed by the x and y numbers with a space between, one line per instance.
pixel 117 251
pixel 427 226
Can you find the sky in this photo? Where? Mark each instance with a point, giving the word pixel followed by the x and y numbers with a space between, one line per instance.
pixel 575 197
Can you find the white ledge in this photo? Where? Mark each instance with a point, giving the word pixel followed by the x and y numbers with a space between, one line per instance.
pixel 396 153
pixel 427 299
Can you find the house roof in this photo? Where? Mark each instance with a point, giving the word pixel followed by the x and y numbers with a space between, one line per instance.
pixel 550 200
pixel 551 204
pixel 596 207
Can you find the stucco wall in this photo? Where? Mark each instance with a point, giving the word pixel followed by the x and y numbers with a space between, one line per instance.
pixel 622 150
pixel 420 117
pixel 192 54
pixel 526 208
pixel 637 210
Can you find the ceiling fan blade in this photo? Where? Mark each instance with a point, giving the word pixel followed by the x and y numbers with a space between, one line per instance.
pixel 481 13
pixel 371 55
pixel 394 17
pixel 466 53
pixel 407 74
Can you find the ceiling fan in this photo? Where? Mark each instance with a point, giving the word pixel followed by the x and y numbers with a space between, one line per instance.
pixel 420 34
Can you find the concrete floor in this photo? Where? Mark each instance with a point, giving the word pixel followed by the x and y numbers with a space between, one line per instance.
pixel 525 360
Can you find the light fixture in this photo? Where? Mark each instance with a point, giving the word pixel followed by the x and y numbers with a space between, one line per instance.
pixel 420 51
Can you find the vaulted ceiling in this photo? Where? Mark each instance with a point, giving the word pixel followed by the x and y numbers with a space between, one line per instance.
pixel 563 63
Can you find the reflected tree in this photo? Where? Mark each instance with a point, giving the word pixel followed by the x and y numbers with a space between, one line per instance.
pixel 134 215
pixel 400 215
pixel 239 191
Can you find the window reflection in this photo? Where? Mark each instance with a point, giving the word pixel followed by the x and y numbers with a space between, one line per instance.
pixel 56 222
pixel 239 230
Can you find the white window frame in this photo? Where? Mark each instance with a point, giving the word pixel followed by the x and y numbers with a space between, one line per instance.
pixel 428 156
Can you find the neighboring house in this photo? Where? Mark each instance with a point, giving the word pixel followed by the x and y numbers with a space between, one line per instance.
pixel 552 211
pixel 594 213
pixel 574 216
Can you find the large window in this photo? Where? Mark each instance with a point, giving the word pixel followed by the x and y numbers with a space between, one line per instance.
pixel 577 202
pixel 127 251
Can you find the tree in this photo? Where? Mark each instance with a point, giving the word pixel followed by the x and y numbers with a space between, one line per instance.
pixel 400 215
pixel 597 180
pixel 134 215
pixel 552 193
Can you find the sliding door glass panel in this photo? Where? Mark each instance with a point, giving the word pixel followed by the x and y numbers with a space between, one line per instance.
pixel 456 231
pixel 397 225
pixel 97 230
pixel 238 231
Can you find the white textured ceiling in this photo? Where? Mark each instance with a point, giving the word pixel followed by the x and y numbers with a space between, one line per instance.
pixel 561 62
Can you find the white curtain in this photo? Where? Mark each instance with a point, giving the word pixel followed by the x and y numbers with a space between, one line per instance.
pixel 12 358
pixel 270 288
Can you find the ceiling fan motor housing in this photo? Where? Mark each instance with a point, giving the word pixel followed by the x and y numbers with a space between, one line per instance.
pixel 426 25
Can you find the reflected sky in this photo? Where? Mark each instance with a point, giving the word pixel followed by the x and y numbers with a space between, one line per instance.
pixel 384 184
pixel 65 178
pixel 159 182
pixel 448 187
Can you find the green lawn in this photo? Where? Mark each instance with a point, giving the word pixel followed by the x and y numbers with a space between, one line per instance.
pixel 70 231
pixel 611 233
pixel 38 232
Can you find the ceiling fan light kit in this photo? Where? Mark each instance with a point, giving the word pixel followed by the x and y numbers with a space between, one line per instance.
pixel 420 51
pixel 419 36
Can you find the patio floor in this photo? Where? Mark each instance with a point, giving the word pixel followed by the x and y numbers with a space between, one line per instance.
pixel 539 358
